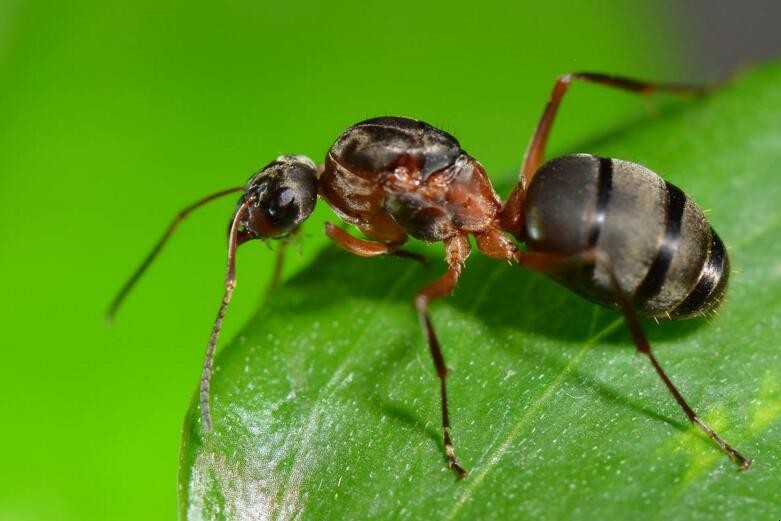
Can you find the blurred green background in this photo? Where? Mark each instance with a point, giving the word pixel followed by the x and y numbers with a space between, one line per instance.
pixel 115 115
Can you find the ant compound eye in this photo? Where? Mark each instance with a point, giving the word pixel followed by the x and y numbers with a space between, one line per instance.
pixel 283 195
pixel 282 205
pixel 282 209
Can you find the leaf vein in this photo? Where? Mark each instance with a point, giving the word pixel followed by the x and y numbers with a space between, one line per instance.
pixel 478 478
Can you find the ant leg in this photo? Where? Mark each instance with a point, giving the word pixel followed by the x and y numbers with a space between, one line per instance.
pixel 640 340
pixel 364 248
pixel 457 249
pixel 495 244
pixel 279 260
pixel 359 247
pixel 411 255
pixel 535 153
pixel 551 263
pixel 117 302
pixel 279 265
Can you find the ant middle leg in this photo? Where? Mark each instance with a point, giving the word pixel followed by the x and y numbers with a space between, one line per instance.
pixel 457 250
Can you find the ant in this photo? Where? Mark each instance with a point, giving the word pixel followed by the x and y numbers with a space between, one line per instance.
pixel 610 230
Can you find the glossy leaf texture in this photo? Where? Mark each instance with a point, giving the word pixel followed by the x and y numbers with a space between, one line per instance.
pixel 326 406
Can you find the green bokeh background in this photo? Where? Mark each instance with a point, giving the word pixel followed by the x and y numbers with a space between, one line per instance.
pixel 115 115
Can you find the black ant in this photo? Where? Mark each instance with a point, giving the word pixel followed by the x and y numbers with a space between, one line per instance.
pixel 610 230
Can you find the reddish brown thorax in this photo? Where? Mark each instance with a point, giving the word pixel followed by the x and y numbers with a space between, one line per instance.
pixel 392 177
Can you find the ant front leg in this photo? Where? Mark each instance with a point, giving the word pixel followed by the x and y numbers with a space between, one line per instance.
pixel 551 263
pixel 279 266
pixel 364 248
pixel 535 154
pixel 279 260
pixel 457 250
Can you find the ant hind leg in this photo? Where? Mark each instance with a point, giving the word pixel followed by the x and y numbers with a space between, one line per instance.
pixel 550 263
pixel 511 213
pixel 644 347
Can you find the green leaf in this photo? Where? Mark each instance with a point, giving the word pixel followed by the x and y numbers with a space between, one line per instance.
pixel 326 406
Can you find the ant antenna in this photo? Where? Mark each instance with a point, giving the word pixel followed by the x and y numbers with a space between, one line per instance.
pixel 230 284
pixel 117 302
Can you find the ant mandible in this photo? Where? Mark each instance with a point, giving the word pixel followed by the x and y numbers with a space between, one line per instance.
pixel 610 230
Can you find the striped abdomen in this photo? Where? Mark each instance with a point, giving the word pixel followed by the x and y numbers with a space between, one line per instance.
pixel 666 256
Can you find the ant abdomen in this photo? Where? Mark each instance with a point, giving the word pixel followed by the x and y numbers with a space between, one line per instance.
pixel 664 254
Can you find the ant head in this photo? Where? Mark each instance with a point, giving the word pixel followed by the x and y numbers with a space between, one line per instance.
pixel 278 198
pixel 275 201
